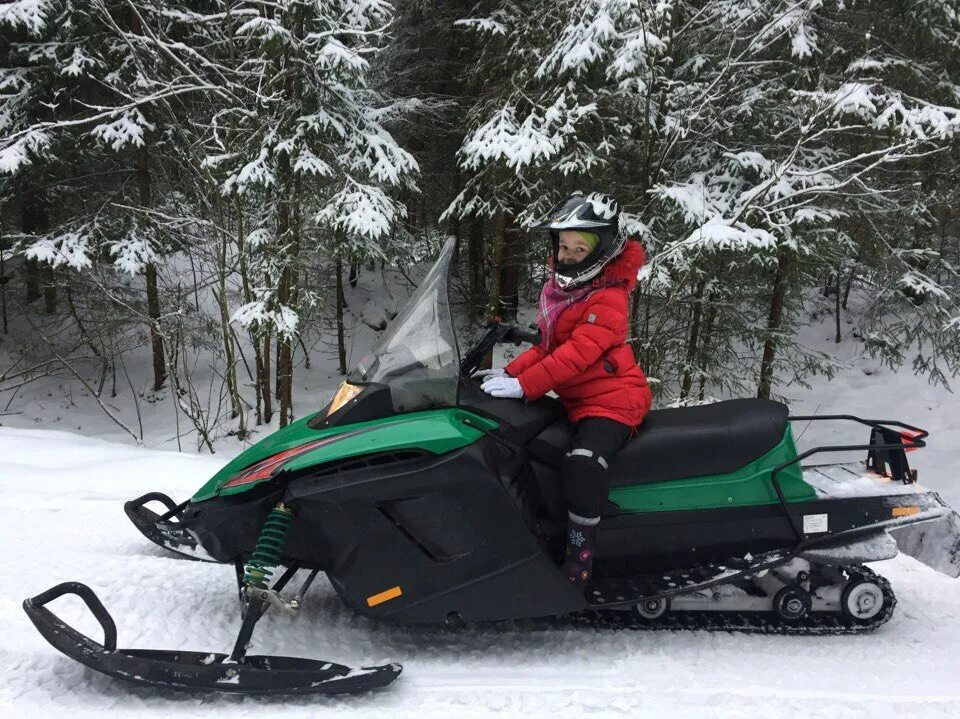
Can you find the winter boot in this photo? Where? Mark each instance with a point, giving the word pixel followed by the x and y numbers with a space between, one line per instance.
pixel 581 544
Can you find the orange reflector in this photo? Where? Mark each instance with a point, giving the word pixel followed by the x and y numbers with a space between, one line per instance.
pixel 905 511
pixel 382 597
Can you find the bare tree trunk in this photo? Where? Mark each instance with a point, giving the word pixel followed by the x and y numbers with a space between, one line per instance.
pixel 705 350
pixel 247 297
pixel 837 302
pixel 284 295
pixel 341 339
pixel 285 367
pixel 475 261
pixel 846 289
pixel 34 221
pixel 774 319
pixel 692 342
pixel 3 280
pixel 510 275
pixel 150 275
pixel 230 373
pixel 31 281
pixel 265 376
pixel 49 283
pixel 493 301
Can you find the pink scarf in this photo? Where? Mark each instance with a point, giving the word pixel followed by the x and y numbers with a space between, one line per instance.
pixel 553 301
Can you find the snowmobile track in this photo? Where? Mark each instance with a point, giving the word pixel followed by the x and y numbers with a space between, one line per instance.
pixel 815 624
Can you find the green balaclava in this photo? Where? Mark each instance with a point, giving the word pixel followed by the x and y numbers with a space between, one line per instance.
pixel 590 238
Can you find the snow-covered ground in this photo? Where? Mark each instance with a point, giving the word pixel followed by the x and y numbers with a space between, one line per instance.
pixel 62 497
pixel 62 494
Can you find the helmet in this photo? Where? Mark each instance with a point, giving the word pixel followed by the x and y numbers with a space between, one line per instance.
pixel 596 213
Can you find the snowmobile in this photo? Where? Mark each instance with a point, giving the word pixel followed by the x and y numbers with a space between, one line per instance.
pixel 426 501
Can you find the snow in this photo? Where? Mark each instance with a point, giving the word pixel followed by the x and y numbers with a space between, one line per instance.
pixel 132 252
pixel 31 15
pixel 360 210
pixel 71 249
pixel 19 153
pixel 62 498
pixel 482 24
pixel 125 130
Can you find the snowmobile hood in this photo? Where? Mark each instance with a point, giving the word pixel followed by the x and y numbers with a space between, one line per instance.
pixel 435 431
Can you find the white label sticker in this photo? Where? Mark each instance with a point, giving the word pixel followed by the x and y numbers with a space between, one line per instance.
pixel 814 523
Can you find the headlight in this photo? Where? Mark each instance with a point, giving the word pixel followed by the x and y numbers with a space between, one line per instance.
pixel 346 393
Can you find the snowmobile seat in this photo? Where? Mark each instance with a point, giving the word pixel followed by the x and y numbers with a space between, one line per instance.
pixel 682 442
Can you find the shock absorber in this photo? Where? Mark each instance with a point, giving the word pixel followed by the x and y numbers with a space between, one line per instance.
pixel 266 554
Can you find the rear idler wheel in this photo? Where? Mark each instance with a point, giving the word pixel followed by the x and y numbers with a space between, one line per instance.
pixel 652 609
pixel 861 600
pixel 792 603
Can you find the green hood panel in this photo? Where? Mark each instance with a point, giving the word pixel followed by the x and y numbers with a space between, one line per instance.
pixel 437 431
pixel 748 486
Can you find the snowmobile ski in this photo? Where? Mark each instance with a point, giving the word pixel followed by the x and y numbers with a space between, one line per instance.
pixel 161 529
pixel 201 671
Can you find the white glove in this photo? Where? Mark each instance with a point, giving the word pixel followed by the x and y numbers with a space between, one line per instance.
pixel 503 387
pixel 490 373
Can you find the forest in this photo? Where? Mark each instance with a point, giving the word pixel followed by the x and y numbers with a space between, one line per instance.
pixel 199 186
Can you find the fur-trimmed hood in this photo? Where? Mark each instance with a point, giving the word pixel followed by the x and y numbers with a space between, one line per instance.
pixel 625 266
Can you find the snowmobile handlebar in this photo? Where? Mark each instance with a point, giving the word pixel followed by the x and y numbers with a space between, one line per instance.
pixel 496 333
pixel 89 598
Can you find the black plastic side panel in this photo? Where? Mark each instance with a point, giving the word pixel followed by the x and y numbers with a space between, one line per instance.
pixel 443 530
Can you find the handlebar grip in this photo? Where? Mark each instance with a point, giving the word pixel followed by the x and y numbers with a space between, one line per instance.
pixel 518 335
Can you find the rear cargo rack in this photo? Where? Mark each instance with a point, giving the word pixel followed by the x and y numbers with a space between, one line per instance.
pixel 886 452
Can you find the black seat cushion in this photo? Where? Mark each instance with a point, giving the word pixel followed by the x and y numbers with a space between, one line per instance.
pixel 683 442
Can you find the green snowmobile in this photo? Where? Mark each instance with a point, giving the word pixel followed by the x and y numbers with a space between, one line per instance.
pixel 424 500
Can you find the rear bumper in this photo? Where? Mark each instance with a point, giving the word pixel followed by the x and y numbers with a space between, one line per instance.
pixel 935 542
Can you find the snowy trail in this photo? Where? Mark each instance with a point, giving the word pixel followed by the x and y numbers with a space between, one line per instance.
pixel 61 496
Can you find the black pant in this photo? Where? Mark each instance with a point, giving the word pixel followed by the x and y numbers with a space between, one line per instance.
pixel 585 479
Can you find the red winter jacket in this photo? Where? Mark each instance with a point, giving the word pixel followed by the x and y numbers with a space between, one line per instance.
pixel 590 367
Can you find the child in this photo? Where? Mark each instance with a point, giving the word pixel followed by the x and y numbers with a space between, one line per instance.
pixel 584 358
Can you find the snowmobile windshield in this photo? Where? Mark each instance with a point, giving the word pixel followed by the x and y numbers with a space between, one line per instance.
pixel 417 354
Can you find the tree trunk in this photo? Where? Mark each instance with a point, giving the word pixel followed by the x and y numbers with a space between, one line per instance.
pixel 49 283
pixel 150 275
pixel 284 347
pixel 247 297
pixel 705 350
pixel 35 221
pixel 510 274
pixel 341 342
pixel 230 373
pixel 493 301
pixel 265 384
pixel 285 380
pixel 693 341
pixel 846 289
pixel 837 302
pixel 3 279
pixel 774 319
pixel 475 261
